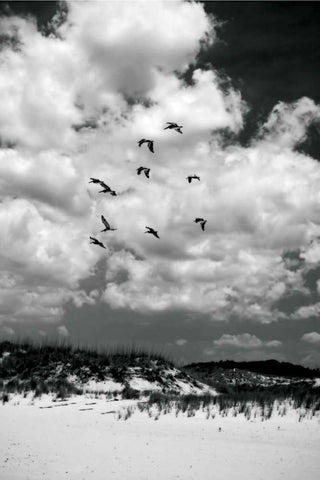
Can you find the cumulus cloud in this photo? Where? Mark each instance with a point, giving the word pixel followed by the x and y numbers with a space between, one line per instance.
pixel 181 342
pixel 307 311
pixel 311 360
pixel 6 331
pixel 62 331
pixel 288 123
pixel 312 337
pixel 244 340
pixel 76 103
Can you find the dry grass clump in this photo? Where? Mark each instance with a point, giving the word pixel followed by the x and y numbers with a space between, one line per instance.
pixel 50 368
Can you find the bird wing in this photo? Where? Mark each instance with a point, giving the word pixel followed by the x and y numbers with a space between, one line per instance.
pixel 150 145
pixel 92 238
pixel 203 224
pixel 104 185
pixel 105 222
pixel 139 170
pixel 141 142
pixel 197 220
pixel 94 180
pixel 147 171
pixel 156 234
pixel 189 179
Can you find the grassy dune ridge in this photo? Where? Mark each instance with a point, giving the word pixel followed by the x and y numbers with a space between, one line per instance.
pixel 61 370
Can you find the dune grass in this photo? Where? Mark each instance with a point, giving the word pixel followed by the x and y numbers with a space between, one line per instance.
pixel 50 368
pixel 47 368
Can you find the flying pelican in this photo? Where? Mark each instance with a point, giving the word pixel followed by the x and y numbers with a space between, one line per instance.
pixel 191 177
pixel 174 126
pixel 96 242
pixel 145 170
pixel 149 142
pixel 152 231
pixel 106 224
pixel 202 222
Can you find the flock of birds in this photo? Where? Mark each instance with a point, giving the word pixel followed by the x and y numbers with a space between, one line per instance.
pixel 106 189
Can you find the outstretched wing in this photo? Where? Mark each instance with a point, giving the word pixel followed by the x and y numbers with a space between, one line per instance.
pixel 203 224
pixel 150 145
pixel 105 222
pixel 141 142
pixel 104 185
pixel 147 171
pixel 139 170
pixel 197 220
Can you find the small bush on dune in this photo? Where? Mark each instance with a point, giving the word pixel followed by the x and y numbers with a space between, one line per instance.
pixel 129 393
pixel 4 398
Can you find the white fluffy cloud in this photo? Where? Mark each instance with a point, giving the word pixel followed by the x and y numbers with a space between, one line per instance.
pixel 244 340
pixel 312 337
pixel 181 342
pixel 307 312
pixel 62 331
pixel 74 106
pixel 287 123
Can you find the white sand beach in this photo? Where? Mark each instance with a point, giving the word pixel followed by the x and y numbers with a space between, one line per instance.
pixel 83 438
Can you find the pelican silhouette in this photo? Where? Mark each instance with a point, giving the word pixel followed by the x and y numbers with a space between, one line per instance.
pixel 106 224
pixel 152 231
pixel 96 242
pixel 174 126
pixel 145 170
pixel 192 177
pixel 149 142
pixel 202 222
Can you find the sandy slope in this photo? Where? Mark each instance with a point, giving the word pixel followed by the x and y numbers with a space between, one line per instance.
pixel 65 442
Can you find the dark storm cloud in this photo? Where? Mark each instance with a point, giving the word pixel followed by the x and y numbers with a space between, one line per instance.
pixel 43 12
pixel 271 52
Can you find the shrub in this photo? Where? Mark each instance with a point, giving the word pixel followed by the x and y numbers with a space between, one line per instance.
pixel 129 393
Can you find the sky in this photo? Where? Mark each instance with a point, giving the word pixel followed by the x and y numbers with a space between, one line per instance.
pixel 81 83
